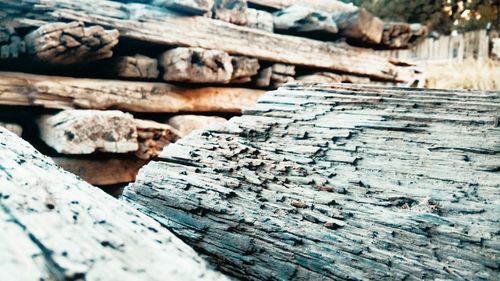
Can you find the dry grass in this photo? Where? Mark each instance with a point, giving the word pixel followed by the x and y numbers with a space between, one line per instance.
pixel 470 74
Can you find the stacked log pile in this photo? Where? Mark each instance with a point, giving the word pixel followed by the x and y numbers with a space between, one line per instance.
pixel 339 183
pixel 154 59
pixel 54 226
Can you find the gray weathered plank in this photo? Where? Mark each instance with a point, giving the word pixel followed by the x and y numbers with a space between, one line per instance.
pixel 339 182
pixel 53 226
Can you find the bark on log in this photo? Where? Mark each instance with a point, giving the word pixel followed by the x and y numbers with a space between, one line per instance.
pixel 196 65
pixel 359 25
pixel 302 19
pixel 138 66
pixel 195 7
pixel 232 11
pixel 103 170
pixel 66 93
pixel 54 226
pixel 321 5
pixel 185 124
pixel 70 43
pixel 89 131
pixel 159 26
pixel 244 69
pixel 14 128
pixel 153 137
pixel 339 182
pixel 259 20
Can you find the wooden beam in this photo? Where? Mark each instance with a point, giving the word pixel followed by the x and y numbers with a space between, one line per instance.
pixel 194 7
pixel 162 27
pixel 153 137
pixel 88 131
pixel 326 182
pixel 54 226
pixel 137 66
pixel 244 69
pixel 65 93
pixel 321 5
pixel 303 19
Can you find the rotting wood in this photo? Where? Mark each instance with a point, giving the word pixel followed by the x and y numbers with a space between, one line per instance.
pixel 232 11
pixel 150 24
pixel 70 43
pixel 259 20
pixel 359 25
pixel 88 131
pixel 196 65
pixel 137 66
pixel 339 182
pixel 65 93
pixel 54 226
pixel 321 5
pixel 275 76
pixel 103 170
pixel 195 7
pixel 152 137
pixel 244 69
pixel 187 123
pixel 302 19
pixel 14 128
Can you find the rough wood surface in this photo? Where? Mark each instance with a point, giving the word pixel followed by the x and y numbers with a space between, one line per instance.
pixel 275 75
pixel 185 124
pixel 339 182
pixel 65 93
pixel 322 5
pixel 195 7
pixel 137 66
pixel 359 25
pixel 233 11
pixel 259 20
pixel 244 69
pixel 302 19
pixel 70 43
pixel 104 170
pixel 14 128
pixel 87 131
pixel 152 137
pixel 54 226
pixel 153 25
pixel 196 65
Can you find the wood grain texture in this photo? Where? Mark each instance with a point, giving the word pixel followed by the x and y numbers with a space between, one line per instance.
pixel 339 182
pixel 158 26
pixel 54 226
pixel 65 93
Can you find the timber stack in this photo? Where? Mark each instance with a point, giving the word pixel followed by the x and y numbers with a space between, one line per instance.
pixel 101 83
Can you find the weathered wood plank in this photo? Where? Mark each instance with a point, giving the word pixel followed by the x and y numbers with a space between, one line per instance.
pixel 152 137
pixel 163 27
pixel 303 19
pixel 54 226
pixel 187 123
pixel 322 5
pixel 65 93
pixel 339 182
pixel 137 66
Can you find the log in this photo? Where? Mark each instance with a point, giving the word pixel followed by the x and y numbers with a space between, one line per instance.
pixel 194 7
pixel 54 226
pixel 88 131
pixel 359 25
pixel 162 27
pixel 65 93
pixel 137 66
pixel 14 128
pixel 153 137
pixel 275 76
pixel 320 5
pixel 329 77
pixel 196 65
pixel 185 124
pixel 232 11
pixel 70 43
pixel 103 170
pixel 339 182
pixel 302 19
pixel 244 69
pixel 259 20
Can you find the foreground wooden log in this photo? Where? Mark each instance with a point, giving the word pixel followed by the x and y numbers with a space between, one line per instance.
pixel 54 226
pixel 89 131
pixel 196 65
pixel 339 182
pixel 65 93
pixel 70 43
pixel 103 170
pixel 162 27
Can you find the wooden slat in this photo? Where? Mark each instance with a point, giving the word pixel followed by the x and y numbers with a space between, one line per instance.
pixel 53 226
pixel 163 27
pixel 65 92
pixel 339 182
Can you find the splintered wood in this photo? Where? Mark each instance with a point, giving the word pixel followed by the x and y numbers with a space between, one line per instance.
pixel 53 226
pixel 339 182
